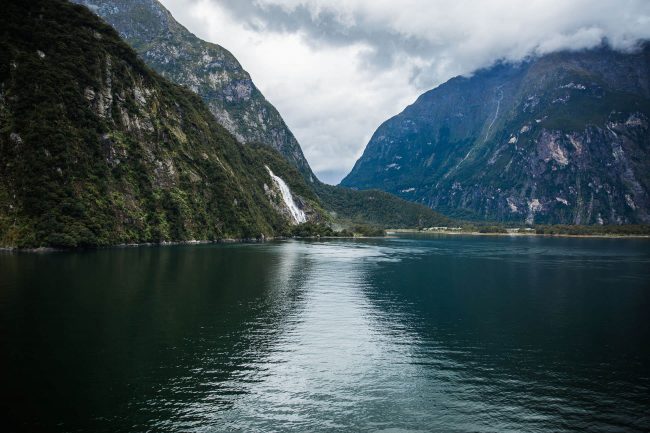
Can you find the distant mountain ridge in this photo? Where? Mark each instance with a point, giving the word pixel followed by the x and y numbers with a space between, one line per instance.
pixel 563 138
pixel 207 69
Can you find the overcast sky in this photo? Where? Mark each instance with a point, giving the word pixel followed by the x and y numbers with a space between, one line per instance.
pixel 336 69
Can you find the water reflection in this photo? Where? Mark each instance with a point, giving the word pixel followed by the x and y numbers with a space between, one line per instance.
pixel 407 334
pixel 532 340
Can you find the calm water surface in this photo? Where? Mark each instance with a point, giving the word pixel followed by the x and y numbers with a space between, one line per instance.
pixel 449 334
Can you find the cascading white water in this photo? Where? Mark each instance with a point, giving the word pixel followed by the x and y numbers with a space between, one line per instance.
pixel 297 214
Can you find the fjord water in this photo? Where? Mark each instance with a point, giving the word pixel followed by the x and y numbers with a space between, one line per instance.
pixel 450 333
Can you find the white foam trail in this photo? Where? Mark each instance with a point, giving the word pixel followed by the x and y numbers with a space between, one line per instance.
pixel 297 214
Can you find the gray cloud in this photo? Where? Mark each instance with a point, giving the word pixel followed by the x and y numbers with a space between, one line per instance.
pixel 337 68
pixel 451 35
pixel 327 27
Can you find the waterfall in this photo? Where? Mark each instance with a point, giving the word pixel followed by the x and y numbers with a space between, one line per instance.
pixel 297 215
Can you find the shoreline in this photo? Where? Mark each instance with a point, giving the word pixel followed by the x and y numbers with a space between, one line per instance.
pixel 49 250
pixel 559 235
pixel 389 233
pixel 45 250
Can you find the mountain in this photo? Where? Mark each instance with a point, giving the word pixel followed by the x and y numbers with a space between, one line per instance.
pixel 561 138
pixel 215 75
pixel 98 149
pixel 207 69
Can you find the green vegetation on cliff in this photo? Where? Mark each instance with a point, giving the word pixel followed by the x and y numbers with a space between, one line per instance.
pixel 376 208
pixel 230 94
pixel 97 149
pixel 207 69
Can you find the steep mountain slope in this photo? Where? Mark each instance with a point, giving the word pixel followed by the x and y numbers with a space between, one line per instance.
pixel 559 139
pixel 215 75
pixel 97 149
pixel 207 69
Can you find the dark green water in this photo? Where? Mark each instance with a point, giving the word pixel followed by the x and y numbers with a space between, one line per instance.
pixel 449 334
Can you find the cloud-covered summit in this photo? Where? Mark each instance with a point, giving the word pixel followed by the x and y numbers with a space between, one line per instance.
pixel 337 68
pixel 465 34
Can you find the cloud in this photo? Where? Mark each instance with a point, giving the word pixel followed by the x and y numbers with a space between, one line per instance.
pixel 336 69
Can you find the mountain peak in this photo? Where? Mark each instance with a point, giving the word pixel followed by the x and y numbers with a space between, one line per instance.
pixel 561 138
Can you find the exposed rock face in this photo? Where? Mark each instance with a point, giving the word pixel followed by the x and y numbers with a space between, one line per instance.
pixel 207 69
pixel 560 139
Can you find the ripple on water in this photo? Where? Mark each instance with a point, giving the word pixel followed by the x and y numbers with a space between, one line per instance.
pixel 407 334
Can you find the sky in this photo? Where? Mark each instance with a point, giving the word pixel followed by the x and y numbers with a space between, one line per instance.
pixel 337 69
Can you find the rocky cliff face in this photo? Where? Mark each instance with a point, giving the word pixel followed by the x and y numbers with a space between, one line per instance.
pixel 207 69
pixel 559 139
pixel 98 149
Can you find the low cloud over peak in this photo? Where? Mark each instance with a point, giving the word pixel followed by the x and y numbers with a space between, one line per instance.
pixel 337 68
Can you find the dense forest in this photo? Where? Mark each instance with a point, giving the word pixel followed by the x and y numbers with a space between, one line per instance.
pixel 97 149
